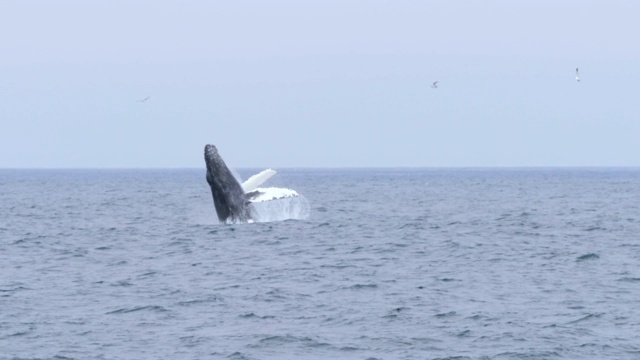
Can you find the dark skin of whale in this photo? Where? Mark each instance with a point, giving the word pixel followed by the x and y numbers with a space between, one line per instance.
pixel 229 199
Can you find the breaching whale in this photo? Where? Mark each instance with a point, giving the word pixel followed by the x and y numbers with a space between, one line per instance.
pixel 232 200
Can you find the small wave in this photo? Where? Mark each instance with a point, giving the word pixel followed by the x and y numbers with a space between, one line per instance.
pixel 57 357
pixel 19 333
pixel 290 339
pixel 590 256
pixel 154 308
pixel 349 348
pixel 532 355
pixel 239 356
pixel 254 316
pixel 147 274
pixel 448 314
pixel 13 290
pixel 337 266
pixel 208 300
pixel 584 318
pixel 363 286
pixel 594 228
pixel 394 313
pixel 400 309
pixel 417 225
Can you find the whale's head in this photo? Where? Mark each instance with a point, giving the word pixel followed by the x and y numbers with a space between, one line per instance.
pixel 228 196
pixel 213 161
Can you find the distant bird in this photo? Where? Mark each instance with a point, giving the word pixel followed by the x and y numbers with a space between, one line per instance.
pixel 434 85
pixel 577 75
pixel 145 99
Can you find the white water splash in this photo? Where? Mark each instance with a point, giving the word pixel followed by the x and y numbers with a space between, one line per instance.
pixel 295 207
pixel 273 193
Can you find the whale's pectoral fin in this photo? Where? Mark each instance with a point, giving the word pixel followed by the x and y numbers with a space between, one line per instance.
pixel 258 179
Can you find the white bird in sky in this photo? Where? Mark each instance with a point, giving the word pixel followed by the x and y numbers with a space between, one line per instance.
pixel 434 85
pixel 577 75
pixel 145 99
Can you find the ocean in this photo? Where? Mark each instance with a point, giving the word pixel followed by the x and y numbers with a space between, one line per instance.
pixel 389 264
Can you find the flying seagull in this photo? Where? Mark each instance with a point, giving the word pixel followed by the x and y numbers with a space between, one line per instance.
pixel 577 75
pixel 434 85
pixel 145 99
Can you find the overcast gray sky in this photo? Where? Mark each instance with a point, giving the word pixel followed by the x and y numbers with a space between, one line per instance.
pixel 319 83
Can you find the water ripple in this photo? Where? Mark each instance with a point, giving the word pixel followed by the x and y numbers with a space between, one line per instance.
pixel 479 264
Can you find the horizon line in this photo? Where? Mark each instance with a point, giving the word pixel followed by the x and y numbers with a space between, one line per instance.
pixel 532 167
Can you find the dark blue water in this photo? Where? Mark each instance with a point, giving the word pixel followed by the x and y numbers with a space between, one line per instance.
pixel 391 264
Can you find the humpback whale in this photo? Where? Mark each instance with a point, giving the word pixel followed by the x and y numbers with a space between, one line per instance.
pixel 232 200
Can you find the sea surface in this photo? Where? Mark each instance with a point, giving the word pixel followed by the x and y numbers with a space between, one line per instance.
pixel 390 264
